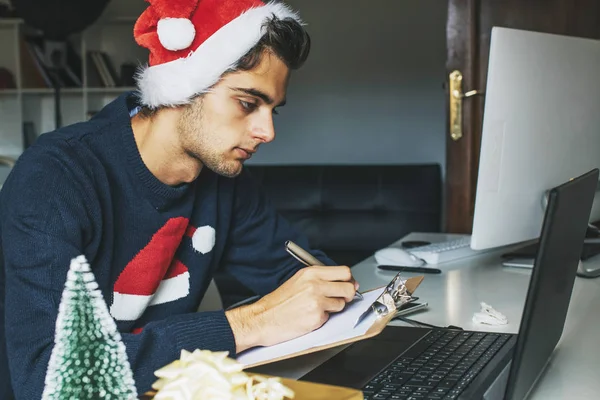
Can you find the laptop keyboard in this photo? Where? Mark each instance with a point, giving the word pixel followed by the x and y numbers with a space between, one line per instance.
pixel 440 366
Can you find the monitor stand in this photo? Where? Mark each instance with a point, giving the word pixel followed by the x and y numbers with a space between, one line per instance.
pixel 525 257
pixel 583 270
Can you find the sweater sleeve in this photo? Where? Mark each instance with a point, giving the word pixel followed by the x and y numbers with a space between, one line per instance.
pixel 255 253
pixel 44 224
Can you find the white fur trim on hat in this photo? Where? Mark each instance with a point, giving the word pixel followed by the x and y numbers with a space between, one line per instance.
pixel 175 82
pixel 175 33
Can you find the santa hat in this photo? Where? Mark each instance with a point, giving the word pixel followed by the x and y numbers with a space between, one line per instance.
pixel 155 275
pixel 193 42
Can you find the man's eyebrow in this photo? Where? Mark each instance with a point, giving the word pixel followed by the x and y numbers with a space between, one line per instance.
pixel 261 95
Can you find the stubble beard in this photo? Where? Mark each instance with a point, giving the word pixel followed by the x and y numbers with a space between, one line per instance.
pixel 197 143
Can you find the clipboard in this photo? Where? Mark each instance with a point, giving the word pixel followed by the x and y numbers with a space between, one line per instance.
pixel 387 300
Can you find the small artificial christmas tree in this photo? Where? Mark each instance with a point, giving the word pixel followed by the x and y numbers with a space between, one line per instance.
pixel 88 360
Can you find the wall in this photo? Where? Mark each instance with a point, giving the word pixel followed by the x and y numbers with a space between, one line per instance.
pixel 371 91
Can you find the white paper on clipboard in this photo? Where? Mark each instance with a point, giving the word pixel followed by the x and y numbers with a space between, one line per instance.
pixel 339 327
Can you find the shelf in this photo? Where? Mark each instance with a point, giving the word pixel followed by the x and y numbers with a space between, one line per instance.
pixel 114 20
pixel 115 90
pixel 121 20
pixel 42 91
pixel 10 22
pixel 66 91
pixel 111 33
pixel 104 21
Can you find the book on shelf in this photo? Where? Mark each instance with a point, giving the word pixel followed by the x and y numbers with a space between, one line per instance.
pixel 33 72
pixel 103 72
pixel 38 70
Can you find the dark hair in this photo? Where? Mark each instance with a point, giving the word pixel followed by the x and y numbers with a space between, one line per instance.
pixel 286 38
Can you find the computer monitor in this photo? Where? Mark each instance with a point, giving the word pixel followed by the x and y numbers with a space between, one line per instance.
pixel 541 127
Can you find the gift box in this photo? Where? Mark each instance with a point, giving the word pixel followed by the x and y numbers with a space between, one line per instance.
pixel 209 375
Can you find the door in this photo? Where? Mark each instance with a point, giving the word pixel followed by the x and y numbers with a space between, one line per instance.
pixel 468 42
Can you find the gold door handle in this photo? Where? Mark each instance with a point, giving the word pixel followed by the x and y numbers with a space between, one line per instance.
pixel 456 100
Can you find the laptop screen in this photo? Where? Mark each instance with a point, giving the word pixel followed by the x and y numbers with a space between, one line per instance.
pixel 551 283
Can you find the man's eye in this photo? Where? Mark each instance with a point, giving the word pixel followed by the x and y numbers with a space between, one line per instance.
pixel 248 106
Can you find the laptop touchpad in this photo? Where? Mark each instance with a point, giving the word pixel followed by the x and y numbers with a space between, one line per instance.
pixel 357 364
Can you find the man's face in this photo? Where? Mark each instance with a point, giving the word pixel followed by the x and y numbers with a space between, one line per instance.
pixel 224 127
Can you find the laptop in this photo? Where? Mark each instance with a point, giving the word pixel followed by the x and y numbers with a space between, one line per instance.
pixel 444 363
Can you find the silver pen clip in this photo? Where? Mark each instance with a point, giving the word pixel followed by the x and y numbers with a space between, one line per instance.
pixel 296 256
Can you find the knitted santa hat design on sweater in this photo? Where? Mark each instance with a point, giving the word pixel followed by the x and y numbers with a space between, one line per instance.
pixel 193 42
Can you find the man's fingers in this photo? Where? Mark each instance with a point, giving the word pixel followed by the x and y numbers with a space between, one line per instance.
pixel 332 274
pixel 343 290
pixel 333 304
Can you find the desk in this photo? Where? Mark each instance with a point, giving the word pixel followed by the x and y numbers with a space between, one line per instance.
pixel 453 296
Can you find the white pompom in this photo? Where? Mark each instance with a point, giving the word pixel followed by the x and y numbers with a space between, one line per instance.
pixel 175 33
pixel 203 240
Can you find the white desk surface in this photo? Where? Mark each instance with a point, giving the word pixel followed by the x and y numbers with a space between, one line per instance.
pixel 455 295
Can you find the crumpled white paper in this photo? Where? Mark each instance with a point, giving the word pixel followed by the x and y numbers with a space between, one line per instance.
pixel 489 316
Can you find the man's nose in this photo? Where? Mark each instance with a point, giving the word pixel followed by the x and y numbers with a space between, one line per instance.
pixel 264 130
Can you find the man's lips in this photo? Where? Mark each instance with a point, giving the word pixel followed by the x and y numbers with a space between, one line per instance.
pixel 245 153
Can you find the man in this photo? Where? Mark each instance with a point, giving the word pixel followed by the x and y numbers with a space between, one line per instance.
pixel 153 192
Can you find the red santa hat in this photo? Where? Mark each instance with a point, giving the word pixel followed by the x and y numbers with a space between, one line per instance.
pixel 193 42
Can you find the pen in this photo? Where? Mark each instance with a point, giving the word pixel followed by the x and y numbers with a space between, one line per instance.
pixel 307 259
pixel 425 270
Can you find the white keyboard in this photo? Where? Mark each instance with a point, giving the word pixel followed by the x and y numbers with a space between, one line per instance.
pixel 450 250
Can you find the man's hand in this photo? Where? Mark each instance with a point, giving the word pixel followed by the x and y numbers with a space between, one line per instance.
pixel 299 306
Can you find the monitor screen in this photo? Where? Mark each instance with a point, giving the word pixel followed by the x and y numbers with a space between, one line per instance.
pixel 541 127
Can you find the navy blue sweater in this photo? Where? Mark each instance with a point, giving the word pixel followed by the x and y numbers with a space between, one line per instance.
pixel 153 248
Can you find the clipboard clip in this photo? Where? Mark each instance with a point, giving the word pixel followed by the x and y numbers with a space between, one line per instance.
pixel 393 297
